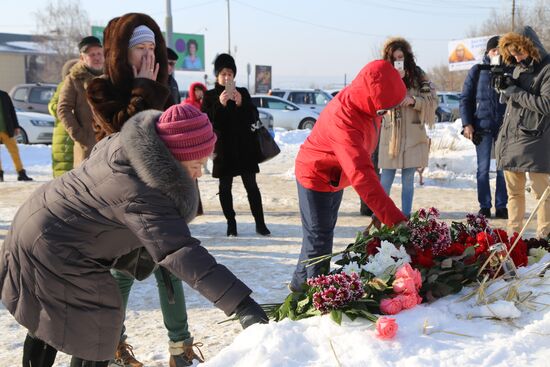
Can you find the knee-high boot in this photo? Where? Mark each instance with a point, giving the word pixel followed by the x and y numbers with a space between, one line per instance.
pixel 256 207
pixel 226 201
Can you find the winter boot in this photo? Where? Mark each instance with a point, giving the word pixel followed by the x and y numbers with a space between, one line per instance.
pixel 22 176
pixel 231 228
pixel 124 356
pixel 501 213
pixel 256 207
pixel 37 353
pixel 182 353
pixel 486 212
pixel 1 176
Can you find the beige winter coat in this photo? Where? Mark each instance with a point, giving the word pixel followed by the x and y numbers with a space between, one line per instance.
pixel 75 113
pixel 403 139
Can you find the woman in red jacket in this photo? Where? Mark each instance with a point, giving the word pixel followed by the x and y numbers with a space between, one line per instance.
pixel 337 154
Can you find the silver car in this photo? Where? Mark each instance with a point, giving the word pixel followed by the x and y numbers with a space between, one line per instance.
pixel 315 99
pixel 285 114
pixel 32 97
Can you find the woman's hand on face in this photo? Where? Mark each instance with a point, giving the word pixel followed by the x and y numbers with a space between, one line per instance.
pixel 224 97
pixel 148 68
pixel 238 98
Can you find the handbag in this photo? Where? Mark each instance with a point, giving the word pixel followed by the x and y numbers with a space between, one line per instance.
pixel 267 147
pixel 138 263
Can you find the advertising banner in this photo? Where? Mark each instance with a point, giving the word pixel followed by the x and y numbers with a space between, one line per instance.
pixel 466 52
pixel 262 79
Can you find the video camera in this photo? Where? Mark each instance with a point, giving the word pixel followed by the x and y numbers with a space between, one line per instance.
pixel 501 75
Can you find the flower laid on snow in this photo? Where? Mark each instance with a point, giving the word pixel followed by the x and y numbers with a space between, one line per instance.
pixel 386 327
pixel 427 233
pixel 332 292
pixel 535 254
pixel 387 259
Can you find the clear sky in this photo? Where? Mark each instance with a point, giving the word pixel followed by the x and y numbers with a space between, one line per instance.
pixel 307 42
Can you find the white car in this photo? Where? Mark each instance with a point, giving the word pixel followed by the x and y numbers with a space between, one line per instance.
pixel 285 114
pixel 36 128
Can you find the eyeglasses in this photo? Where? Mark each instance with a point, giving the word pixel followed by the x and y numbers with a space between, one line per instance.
pixel 171 63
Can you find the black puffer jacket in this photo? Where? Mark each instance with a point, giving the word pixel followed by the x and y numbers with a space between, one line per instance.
pixel 236 151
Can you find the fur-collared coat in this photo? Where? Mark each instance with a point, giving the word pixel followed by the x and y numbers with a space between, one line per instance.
pixel 118 95
pixel 75 113
pixel 236 151
pixel 56 259
pixel 523 140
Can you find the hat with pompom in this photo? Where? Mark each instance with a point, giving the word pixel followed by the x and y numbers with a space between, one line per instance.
pixel 187 132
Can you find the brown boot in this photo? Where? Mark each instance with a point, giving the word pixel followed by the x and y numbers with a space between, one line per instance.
pixel 182 353
pixel 124 356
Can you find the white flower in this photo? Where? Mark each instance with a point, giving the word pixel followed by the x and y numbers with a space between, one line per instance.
pixel 388 259
pixel 352 267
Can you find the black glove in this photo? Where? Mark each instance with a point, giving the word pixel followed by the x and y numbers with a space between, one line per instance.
pixel 249 313
pixel 513 89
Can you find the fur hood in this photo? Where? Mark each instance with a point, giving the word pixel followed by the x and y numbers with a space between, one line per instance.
pixel 155 165
pixel 397 41
pixel 526 40
pixel 117 38
pixel 83 73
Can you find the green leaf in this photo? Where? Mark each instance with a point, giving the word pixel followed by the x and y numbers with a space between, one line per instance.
pixel 447 263
pixel 432 278
pixel 301 305
pixel 336 316
pixel 469 251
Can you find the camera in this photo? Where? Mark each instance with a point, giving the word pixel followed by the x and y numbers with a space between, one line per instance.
pixel 501 76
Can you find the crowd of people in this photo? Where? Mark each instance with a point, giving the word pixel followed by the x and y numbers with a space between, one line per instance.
pixel 128 152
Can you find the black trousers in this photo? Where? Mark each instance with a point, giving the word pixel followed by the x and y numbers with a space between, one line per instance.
pixel 37 353
pixel 253 194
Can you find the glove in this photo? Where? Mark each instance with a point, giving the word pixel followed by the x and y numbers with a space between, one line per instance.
pixel 513 89
pixel 249 313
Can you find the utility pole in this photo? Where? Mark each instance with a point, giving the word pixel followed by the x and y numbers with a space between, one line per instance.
pixel 513 15
pixel 168 23
pixel 228 29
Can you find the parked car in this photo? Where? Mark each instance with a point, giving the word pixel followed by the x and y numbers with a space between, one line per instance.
pixel 36 128
pixel 32 97
pixel 315 99
pixel 449 101
pixel 267 120
pixel 285 114
pixel 443 114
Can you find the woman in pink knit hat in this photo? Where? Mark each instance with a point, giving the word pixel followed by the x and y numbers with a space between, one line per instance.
pixel 137 189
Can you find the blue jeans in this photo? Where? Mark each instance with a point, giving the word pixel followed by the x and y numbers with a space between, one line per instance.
pixel 407 186
pixel 483 151
pixel 319 212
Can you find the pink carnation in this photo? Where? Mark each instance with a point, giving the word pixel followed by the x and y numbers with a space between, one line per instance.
pixel 390 306
pixel 407 271
pixel 404 285
pixel 386 327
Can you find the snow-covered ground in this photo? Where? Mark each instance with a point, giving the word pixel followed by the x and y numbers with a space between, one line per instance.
pixel 454 336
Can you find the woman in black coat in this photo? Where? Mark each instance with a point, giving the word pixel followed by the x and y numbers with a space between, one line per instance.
pixel 232 114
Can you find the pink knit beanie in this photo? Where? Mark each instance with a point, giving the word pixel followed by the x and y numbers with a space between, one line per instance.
pixel 187 132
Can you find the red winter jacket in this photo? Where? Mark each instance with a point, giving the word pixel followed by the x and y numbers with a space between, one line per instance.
pixel 192 98
pixel 337 152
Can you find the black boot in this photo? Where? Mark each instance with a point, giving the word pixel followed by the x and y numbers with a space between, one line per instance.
pixel 262 229
pixel 1 176
pixel 256 207
pixel 37 353
pixel 22 176
pixel 231 228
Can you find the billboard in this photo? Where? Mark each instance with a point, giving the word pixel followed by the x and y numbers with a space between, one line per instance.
pixel 466 52
pixel 262 79
pixel 189 47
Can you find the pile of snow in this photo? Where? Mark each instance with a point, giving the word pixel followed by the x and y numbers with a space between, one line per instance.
pixel 449 332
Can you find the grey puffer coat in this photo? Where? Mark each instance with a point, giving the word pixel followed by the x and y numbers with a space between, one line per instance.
pixel 524 138
pixel 55 262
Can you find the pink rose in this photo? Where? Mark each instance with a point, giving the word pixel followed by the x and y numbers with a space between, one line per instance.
pixel 404 285
pixel 386 327
pixel 407 300
pixel 390 306
pixel 407 271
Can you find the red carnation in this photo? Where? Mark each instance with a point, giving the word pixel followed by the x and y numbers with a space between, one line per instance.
pixel 372 247
pixel 424 258
pixel 519 253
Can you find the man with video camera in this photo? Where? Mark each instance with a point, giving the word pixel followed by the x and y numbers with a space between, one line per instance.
pixel 481 114
pixel 524 139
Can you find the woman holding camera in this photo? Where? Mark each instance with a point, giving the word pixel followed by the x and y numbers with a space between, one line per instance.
pixel 232 114
pixel 404 143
